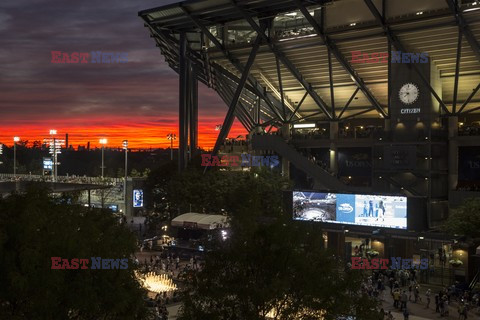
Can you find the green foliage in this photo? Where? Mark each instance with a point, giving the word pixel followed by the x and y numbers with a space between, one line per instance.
pixel 171 193
pixel 465 220
pixel 35 227
pixel 270 261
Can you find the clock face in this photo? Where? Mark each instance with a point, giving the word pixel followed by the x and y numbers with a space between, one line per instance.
pixel 408 93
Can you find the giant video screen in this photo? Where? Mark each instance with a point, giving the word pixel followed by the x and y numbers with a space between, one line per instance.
pixel 358 209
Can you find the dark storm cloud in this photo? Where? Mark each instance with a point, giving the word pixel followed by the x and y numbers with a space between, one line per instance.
pixel 34 89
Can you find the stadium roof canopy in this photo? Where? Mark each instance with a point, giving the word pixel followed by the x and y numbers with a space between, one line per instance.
pixel 301 64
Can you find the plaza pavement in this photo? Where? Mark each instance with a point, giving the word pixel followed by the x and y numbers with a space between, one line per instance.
pixel 417 311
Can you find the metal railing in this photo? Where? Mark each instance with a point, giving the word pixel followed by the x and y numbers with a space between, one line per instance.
pixel 64 179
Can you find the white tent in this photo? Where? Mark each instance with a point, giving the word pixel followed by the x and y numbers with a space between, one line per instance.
pixel 200 221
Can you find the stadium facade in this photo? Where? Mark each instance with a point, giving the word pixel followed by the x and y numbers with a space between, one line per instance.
pixel 355 96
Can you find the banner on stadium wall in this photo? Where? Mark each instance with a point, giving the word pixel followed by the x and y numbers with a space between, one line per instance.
pixel 355 162
pixel 469 163
pixel 400 157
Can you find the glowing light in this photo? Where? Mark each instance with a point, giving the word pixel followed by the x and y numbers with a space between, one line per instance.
pixel 156 283
pixel 353 24
pixel 103 141
pixel 16 139
pixel 224 235
pixel 299 37
pixel 53 131
pixel 419 13
pixel 304 125
pixel 147 134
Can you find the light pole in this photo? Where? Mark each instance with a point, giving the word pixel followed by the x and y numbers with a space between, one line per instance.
pixel 53 132
pixel 15 140
pixel 103 142
pixel 171 137
pixel 125 147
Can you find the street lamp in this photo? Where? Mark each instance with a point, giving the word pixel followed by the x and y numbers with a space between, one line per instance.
pixel 171 137
pixel 53 150
pixel 103 142
pixel 125 147
pixel 15 140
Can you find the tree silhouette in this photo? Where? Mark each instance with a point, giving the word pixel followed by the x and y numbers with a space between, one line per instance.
pixel 35 227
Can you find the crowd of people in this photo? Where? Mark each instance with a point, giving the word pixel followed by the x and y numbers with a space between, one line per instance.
pixel 175 268
pixel 318 133
pixel 469 130
pixel 472 187
pixel 405 290
pixel 171 265
pixel 359 132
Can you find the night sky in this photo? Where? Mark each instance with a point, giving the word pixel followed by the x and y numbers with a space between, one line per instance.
pixel 136 100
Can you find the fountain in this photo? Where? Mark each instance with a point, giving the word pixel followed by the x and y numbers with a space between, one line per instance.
pixel 156 283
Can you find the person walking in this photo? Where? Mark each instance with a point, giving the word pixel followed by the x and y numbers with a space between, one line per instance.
pixel 427 294
pixel 437 303
pixel 461 311
pixel 404 299
pixel 381 314
pixel 405 314
pixel 396 298
pixel 442 306
pixel 416 294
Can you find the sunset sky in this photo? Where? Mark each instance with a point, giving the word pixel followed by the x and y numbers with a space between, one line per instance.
pixel 137 100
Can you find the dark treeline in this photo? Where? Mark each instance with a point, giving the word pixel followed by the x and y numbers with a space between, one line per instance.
pixel 83 162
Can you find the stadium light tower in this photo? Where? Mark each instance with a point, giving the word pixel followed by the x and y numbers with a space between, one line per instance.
pixel 171 137
pixel 15 140
pixel 103 142
pixel 125 147
pixel 53 132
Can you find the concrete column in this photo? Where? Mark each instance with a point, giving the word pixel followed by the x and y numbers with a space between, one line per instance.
pixel 452 152
pixel 183 103
pixel 388 126
pixel 336 242
pixel 285 130
pixel 333 147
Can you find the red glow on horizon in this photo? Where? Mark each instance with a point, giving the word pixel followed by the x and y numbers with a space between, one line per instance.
pixel 139 135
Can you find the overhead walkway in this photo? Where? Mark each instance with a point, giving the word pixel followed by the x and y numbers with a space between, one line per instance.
pixel 323 179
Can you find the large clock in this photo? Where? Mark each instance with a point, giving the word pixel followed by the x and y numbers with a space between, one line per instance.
pixel 408 93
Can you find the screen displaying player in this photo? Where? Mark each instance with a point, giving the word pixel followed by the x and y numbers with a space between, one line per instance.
pixel 359 209
pixel 137 198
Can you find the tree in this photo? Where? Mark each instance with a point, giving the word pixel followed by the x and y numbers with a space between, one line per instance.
pixel 35 227
pixel 271 263
pixel 171 193
pixel 465 220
